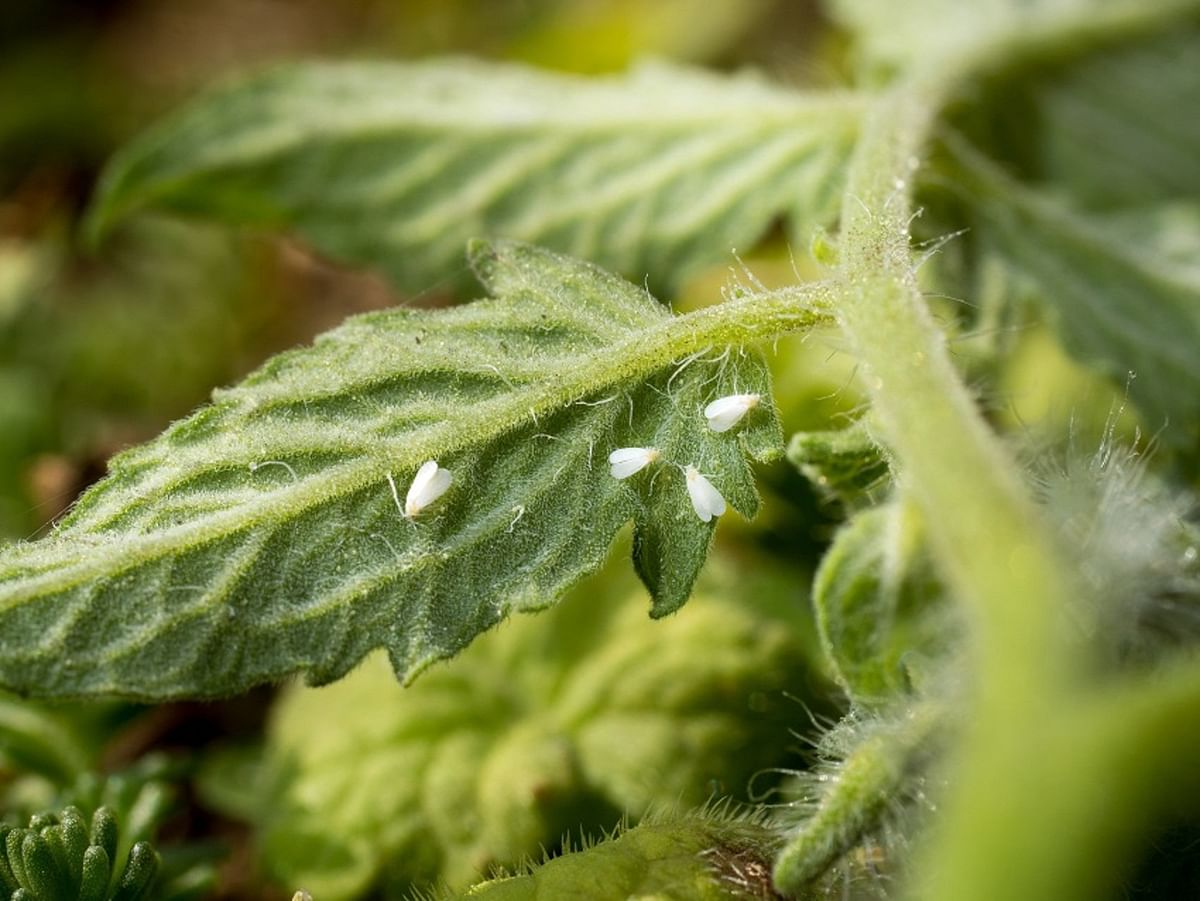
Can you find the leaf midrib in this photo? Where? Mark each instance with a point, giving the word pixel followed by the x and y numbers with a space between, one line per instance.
pixel 787 109
pixel 844 107
pixel 737 322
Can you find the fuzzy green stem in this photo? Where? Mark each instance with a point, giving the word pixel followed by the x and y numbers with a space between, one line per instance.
pixel 994 549
pixel 871 778
pixel 1020 758
pixel 992 546
pixel 987 535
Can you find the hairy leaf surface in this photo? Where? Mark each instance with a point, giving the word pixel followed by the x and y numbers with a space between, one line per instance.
pixel 397 165
pixel 264 535
pixel 550 725
pixel 847 464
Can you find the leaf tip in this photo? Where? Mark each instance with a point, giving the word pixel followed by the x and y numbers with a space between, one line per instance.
pixel 483 256
pixel 480 251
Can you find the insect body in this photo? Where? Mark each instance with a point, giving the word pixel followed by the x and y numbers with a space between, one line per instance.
pixel 706 500
pixel 625 461
pixel 726 412
pixel 427 486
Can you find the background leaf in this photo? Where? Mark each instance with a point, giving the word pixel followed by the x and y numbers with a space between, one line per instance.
pixel 847 463
pixel 262 536
pixel 1118 290
pixel 1104 128
pixel 893 35
pixel 95 355
pixel 548 726
pixel 397 165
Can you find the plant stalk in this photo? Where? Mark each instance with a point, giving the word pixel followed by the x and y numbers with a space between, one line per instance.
pixel 995 551
pixel 1017 761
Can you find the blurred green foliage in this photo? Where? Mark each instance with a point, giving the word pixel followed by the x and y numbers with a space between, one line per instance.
pixel 552 725
pixel 59 857
pixel 575 718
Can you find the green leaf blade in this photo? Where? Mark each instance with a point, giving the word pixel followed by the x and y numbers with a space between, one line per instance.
pixel 396 165
pixel 1122 300
pixel 265 535
pixel 1109 129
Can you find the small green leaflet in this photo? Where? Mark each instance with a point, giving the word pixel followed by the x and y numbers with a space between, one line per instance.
pixel 847 464
pixel 878 606
pixel 397 165
pixel 868 769
pixel 262 536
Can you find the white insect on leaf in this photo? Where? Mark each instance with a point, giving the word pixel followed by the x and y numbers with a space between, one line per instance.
pixel 726 412
pixel 625 461
pixel 430 483
pixel 706 500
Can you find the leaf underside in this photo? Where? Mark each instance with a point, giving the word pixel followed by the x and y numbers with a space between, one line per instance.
pixel 261 536
pixel 1096 207
pixel 397 165
pixel 1120 301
